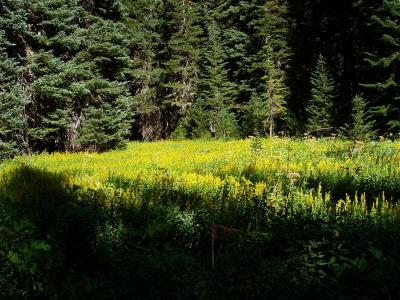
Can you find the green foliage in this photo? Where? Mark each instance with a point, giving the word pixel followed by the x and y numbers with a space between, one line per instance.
pixel 361 128
pixel 12 122
pixel 320 106
pixel 233 20
pixel 87 75
pixel 276 93
pixel 180 132
pixel 239 64
pixel 76 80
pixel 224 124
pixel 22 258
pixel 145 73
pixel 211 114
pixel 256 146
pixel 104 128
pixel 384 61
pixel 58 240
pixel 273 60
pixel 256 116
pixel 12 97
pixel 183 53
pixel 52 100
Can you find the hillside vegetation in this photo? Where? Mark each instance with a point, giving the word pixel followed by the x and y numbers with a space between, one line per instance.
pixel 79 75
pixel 195 149
pixel 276 218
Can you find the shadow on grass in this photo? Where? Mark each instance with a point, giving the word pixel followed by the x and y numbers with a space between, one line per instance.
pixel 59 241
pixel 62 242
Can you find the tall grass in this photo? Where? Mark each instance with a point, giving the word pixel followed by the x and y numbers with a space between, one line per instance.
pixel 203 220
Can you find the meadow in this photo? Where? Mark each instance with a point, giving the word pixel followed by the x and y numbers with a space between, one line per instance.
pixel 340 167
pixel 278 218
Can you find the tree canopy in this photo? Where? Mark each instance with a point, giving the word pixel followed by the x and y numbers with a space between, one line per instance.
pixel 89 75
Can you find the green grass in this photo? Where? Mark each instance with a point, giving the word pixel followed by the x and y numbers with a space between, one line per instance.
pixel 295 219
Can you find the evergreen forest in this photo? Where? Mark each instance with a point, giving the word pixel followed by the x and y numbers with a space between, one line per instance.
pixel 199 149
pixel 91 75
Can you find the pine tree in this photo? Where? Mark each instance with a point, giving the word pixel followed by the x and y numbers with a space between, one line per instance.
pixel 212 113
pixel 55 82
pixel 12 106
pixel 12 97
pixel 105 128
pixel 276 93
pixel 79 68
pixel 385 60
pixel 361 128
pixel 271 62
pixel 238 43
pixel 256 116
pixel 183 55
pixel 144 24
pixel 319 109
pixel 110 101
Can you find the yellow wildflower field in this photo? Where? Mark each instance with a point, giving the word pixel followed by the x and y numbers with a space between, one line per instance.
pixel 205 166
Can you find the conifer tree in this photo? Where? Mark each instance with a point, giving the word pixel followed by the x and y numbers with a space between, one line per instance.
pixel 12 105
pixel 361 127
pixel 183 51
pixel 204 68
pixel 105 128
pixel 144 24
pixel 108 54
pixel 211 114
pixel 277 59
pixel 79 68
pixel 273 59
pixel 319 108
pixel 276 92
pixel 276 30
pixel 256 116
pixel 55 82
pixel 385 60
pixel 12 97
pixel 233 19
pixel 52 103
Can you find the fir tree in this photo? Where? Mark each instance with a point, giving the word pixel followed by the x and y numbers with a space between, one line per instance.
pixel 256 116
pixel 12 109
pixel 319 109
pixel 276 93
pixel 385 61
pixel 108 54
pixel 238 43
pixel 273 58
pixel 145 76
pixel 13 100
pixel 211 113
pixel 52 101
pixel 277 59
pixel 180 132
pixel 65 61
pixel 361 127
pixel 55 81
pixel 183 51
pixel 105 127
pixel 69 79
pixel 276 33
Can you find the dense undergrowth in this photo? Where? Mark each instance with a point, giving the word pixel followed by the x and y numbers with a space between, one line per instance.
pixel 204 220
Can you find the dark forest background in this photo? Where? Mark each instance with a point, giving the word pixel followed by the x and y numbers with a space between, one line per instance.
pixel 89 75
